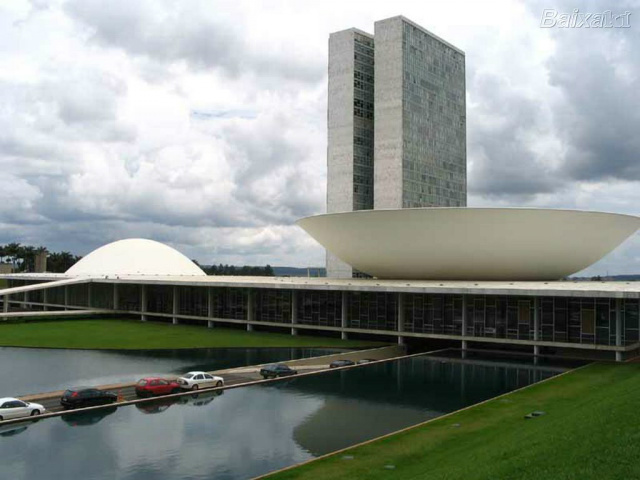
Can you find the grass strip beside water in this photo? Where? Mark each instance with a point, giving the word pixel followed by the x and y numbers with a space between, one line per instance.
pixel 131 334
pixel 590 430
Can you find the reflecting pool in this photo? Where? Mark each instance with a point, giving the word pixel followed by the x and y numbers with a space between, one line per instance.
pixel 26 371
pixel 253 430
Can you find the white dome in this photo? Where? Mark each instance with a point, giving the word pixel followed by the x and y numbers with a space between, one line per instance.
pixel 135 256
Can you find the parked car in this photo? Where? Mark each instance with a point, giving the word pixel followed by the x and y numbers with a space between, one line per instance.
pixel 79 397
pixel 197 380
pixel 365 360
pixel 152 386
pixel 341 363
pixel 277 370
pixel 13 408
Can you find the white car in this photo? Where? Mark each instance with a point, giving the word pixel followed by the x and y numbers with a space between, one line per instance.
pixel 196 380
pixel 11 408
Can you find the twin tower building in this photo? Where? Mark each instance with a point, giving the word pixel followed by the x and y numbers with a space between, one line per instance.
pixel 396 122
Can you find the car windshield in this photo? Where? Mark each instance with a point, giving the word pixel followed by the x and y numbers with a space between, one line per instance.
pixel 190 375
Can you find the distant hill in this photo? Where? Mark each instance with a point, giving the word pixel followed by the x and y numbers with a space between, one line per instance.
pixel 299 272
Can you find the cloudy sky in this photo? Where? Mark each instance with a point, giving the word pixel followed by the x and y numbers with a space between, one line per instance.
pixel 202 124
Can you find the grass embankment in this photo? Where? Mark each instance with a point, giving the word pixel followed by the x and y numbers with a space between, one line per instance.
pixel 131 334
pixel 591 430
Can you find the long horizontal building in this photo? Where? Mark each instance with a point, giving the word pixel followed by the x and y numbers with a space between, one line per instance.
pixel 574 315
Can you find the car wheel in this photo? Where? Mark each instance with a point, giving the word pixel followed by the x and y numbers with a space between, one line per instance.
pixel 35 412
pixel 175 390
pixel 195 387
pixel 1 419
pixel 218 383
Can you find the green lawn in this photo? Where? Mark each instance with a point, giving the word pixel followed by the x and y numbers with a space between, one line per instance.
pixel 132 334
pixel 591 430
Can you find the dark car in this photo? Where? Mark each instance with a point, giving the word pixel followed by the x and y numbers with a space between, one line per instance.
pixel 341 363
pixel 277 370
pixel 86 397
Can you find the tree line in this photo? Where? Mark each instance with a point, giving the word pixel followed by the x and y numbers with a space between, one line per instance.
pixel 246 270
pixel 23 258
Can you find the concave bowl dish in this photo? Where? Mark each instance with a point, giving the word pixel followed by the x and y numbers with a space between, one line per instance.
pixel 470 243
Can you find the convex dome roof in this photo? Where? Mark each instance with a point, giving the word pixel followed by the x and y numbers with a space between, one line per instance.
pixel 135 256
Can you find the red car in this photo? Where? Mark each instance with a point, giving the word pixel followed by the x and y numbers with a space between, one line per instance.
pixel 152 386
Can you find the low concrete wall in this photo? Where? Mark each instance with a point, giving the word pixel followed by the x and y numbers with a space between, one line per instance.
pixel 380 353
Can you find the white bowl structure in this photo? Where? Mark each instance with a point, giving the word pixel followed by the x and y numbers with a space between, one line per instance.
pixel 135 256
pixel 470 243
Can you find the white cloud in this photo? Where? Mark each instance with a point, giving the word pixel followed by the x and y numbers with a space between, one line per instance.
pixel 202 124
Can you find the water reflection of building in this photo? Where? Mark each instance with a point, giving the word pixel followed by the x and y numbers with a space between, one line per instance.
pixel 415 389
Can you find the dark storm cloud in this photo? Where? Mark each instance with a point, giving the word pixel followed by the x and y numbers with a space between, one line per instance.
pixel 188 32
pixel 597 73
pixel 592 112
pixel 500 143
pixel 600 117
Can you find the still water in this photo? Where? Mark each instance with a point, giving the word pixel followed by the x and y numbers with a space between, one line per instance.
pixel 253 430
pixel 26 371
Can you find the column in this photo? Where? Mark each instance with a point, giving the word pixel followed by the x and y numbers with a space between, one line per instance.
pixel 45 299
pixel 618 328
pixel 209 307
pixel 143 302
pixel 401 297
pixel 345 320
pixel 5 305
pixel 115 296
pixel 25 304
pixel 89 292
pixel 250 310
pixel 176 302
pixel 66 296
pixel 294 311
pixel 536 325
pixel 464 325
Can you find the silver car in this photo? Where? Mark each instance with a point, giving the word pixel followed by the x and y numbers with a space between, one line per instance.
pixel 11 408
pixel 197 380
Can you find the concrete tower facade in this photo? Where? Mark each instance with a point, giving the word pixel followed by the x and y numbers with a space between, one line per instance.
pixel 396 122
